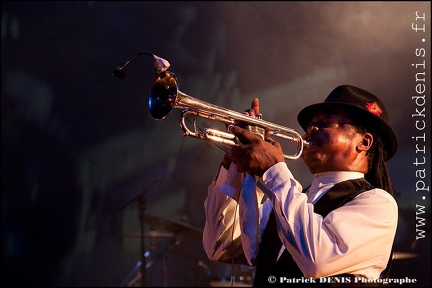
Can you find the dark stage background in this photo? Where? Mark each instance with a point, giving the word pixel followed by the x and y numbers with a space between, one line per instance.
pixel 82 157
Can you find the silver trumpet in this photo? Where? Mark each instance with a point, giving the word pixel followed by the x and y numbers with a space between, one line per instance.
pixel 165 96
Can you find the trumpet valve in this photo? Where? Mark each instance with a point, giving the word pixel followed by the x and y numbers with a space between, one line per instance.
pixel 220 136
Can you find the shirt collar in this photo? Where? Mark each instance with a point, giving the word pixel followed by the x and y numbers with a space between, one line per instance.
pixel 333 177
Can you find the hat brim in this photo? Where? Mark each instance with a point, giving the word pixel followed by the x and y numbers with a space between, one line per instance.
pixel 368 119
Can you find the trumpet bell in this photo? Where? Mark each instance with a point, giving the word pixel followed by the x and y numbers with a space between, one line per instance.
pixel 163 95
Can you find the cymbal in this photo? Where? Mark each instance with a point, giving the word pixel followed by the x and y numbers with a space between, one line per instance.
pixel 174 226
pixel 403 255
pixel 150 234
pixel 228 284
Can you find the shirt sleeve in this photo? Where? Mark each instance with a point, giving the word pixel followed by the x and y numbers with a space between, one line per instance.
pixel 221 235
pixel 235 217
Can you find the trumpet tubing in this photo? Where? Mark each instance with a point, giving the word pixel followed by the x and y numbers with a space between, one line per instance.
pixel 165 96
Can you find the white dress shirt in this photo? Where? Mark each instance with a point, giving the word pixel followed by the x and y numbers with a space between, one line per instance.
pixel 356 238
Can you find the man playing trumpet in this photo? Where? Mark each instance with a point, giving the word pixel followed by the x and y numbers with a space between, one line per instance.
pixel 340 228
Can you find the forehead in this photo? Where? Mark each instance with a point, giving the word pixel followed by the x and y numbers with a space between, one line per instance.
pixel 330 113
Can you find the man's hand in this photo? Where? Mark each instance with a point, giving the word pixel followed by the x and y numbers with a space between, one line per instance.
pixel 254 155
pixel 254 111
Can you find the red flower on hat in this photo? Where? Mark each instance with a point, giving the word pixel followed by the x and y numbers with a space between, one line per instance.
pixel 374 108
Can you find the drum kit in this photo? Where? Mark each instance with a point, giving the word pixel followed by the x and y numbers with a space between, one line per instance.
pixel 224 275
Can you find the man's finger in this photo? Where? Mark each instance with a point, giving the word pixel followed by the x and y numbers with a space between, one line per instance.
pixel 255 106
pixel 244 135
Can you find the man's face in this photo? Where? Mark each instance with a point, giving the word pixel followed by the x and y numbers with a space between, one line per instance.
pixel 334 142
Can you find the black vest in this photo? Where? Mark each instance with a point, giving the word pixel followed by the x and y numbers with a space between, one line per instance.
pixel 269 248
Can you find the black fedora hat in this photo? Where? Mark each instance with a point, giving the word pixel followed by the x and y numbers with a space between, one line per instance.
pixel 363 106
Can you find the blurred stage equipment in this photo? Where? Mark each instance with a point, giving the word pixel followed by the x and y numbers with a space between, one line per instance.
pixel 228 284
pixel 233 275
pixel 178 230
pixel 165 96
pixel 403 255
pixel 150 234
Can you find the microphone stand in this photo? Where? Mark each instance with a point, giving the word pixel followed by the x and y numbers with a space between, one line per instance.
pixel 142 263
pixel 141 207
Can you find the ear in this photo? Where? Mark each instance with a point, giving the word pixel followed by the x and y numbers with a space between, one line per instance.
pixel 366 142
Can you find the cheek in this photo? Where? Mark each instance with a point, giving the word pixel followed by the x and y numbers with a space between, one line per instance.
pixel 330 146
pixel 334 146
pixel 342 143
pixel 343 147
